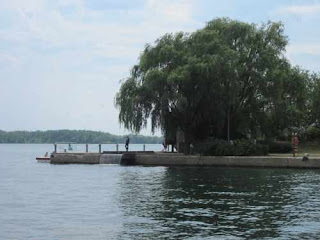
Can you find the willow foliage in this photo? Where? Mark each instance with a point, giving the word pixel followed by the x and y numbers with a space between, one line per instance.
pixel 229 76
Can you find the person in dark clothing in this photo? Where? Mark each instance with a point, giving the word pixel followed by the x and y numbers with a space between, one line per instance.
pixel 127 143
pixel 305 157
pixel 164 146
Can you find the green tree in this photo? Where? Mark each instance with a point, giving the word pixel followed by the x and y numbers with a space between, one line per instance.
pixel 212 79
pixel 287 99
pixel 315 100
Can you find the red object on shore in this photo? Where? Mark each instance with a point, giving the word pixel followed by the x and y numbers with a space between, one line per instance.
pixel 295 141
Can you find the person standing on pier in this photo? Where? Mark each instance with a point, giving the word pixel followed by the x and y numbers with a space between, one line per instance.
pixel 127 143
pixel 295 143
pixel 164 146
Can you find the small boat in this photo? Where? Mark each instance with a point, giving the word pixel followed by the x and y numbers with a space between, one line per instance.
pixel 43 159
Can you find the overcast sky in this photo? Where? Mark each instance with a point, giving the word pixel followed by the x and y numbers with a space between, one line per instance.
pixel 61 60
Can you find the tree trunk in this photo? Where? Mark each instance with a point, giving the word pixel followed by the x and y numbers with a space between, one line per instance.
pixel 228 123
pixel 187 141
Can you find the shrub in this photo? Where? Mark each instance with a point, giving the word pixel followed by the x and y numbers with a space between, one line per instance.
pixel 312 133
pixel 249 148
pixel 279 147
pixel 217 147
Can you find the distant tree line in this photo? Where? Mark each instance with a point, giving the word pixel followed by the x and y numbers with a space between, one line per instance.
pixel 76 136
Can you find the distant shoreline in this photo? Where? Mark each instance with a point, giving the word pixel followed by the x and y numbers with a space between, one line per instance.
pixel 85 143
pixel 74 136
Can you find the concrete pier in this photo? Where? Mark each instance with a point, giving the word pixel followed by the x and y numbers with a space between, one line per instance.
pixel 128 158
pixel 167 159
pixel 175 159
pixel 75 158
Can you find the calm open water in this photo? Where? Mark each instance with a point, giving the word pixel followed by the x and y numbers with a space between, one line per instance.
pixel 44 201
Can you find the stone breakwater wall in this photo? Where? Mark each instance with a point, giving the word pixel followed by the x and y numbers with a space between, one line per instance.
pixel 75 158
pixel 175 159
pixel 228 161
pixel 127 158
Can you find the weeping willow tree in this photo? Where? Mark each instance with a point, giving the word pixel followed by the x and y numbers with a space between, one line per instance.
pixel 218 81
pixel 315 100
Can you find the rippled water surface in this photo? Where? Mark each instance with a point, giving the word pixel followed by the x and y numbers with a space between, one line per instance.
pixel 43 201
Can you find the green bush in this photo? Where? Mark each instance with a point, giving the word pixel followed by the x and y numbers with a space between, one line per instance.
pixel 249 148
pixel 279 147
pixel 217 147
pixel 312 133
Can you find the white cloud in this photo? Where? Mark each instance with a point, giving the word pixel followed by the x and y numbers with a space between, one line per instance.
pixel 301 10
pixel 54 30
pixel 305 55
pixel 8 60
pixel 31 5
pixel 311 49
pixel 76 54
pixel 180 10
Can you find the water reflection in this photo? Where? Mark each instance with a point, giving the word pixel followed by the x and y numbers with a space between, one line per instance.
pixel 44 201
pixel 180 203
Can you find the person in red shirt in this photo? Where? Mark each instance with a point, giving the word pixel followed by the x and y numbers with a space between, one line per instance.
pixel 295 143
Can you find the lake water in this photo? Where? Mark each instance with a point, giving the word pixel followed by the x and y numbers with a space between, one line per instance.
pixel 44 201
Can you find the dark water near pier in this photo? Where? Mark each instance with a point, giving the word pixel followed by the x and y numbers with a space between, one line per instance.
pixel 43 201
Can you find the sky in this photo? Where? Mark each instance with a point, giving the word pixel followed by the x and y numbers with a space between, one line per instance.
pixel 62 61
